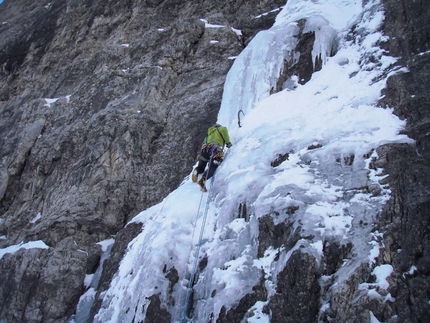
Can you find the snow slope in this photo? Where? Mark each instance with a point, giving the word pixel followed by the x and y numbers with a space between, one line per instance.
pixel 329 128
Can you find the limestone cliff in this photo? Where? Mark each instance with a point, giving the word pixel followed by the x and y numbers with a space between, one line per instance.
pixel 102 107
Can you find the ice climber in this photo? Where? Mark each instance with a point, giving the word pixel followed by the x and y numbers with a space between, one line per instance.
pixel 212 152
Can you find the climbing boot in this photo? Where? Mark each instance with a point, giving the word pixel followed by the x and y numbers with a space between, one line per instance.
pixel 202 183
pixel 195 175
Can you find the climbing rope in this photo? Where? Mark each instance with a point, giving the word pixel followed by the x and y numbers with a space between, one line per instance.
pixel 184 318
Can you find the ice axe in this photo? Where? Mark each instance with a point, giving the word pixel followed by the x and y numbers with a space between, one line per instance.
pixel 238 118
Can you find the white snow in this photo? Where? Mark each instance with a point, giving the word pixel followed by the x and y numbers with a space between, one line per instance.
pixel 50 101
pixel 208 25
pixel 329 126
pixel 411 271
pixel 28 245
pixel 87 280
pixel 37 217
pixel 237 31
pixel 106 243
pixel 373 318
pixel 266 13
pixel 381 273
pixel 257 314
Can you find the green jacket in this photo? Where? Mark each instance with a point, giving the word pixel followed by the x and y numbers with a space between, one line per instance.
pixel 218 134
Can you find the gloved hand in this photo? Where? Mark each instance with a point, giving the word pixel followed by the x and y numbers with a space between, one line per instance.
pixel 229 145
pixel 218 158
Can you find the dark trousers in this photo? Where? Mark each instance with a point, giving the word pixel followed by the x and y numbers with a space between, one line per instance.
pixel 207 155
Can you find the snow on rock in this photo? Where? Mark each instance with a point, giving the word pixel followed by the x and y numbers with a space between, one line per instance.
pixel 266 13
pixel 237 31
pixel 37 217
pixel 328 130
pixel 28 245
pixel 50 101
pixel 381 284
pixel 208 25
pixel 105 244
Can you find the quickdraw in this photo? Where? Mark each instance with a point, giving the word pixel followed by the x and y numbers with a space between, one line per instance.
pixel 238 118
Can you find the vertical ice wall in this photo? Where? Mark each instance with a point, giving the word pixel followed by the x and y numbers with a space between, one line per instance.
pixel 257 69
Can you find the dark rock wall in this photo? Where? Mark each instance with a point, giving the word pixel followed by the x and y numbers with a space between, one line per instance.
pixel 405 221
pixel 137 84
pixel 297 295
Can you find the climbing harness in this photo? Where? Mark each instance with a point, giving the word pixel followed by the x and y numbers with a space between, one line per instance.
pixel 185 313
pixel 214 150
pixel 238 117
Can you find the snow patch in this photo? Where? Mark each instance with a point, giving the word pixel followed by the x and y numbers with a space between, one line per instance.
pixel 39 244
pixel 37 217
pixel 88 279
pixel 237 31
pixel 266 13
pixel 381 274
pixel 208 25
pixel 410 272
pixel 106 243
pixel 424 53
pixel 50 101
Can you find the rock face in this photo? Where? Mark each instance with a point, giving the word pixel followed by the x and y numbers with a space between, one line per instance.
pixel 102 107
pixel 405 221
pixel 305 296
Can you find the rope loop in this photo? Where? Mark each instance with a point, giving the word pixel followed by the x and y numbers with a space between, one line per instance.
pixel 185 314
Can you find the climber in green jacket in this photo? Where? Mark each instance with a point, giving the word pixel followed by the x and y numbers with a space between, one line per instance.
pixel 211 151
